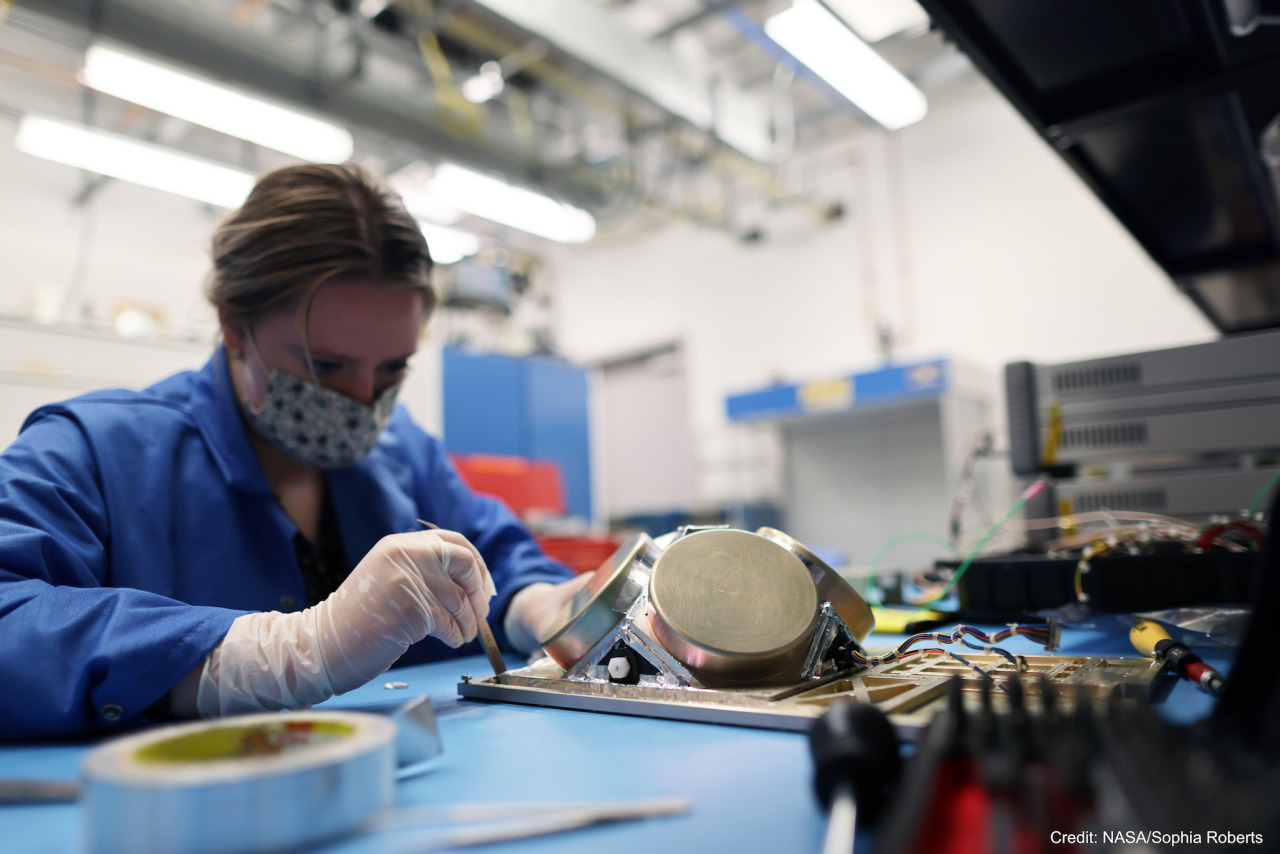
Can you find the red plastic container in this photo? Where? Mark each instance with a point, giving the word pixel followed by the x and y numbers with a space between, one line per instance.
pixel 527 486
pixel 535 488
pixel 581 554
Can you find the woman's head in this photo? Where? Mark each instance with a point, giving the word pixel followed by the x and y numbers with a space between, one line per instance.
pixel 304 226
pixel 321 277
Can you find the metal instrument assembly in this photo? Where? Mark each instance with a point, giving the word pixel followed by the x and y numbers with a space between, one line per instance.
pixel 597 609
pixel 751 628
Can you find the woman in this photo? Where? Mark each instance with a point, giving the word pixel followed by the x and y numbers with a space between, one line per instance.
pixel 234 538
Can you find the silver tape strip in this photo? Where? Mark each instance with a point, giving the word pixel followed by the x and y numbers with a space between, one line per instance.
pixel 139 801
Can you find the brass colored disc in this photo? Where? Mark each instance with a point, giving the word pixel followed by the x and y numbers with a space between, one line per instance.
pixel 851 607
pixel 598 608
pixel 733 606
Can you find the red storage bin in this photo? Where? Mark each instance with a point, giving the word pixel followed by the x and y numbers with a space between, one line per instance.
pixel 581 554
pixel 526 486
pixel 535 488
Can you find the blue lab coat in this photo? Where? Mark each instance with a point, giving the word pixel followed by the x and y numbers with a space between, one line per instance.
pixel 136 526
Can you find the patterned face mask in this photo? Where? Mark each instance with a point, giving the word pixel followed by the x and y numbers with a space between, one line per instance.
pixel 316 426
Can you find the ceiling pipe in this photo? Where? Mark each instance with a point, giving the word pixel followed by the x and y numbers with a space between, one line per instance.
pixel 191 34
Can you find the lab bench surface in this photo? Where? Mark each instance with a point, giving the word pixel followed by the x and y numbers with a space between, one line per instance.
pixel 750 790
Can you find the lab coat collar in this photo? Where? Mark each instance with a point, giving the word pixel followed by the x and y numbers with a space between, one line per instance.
pixel 217 412
pixel 373 497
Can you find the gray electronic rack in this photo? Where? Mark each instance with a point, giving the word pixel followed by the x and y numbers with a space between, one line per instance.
pixel 1190 431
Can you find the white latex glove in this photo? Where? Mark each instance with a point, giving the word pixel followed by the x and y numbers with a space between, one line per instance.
pixel 535 608
pixel 407 587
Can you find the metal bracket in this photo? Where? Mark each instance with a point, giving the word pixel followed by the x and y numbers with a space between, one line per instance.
pixel 671 673
pixel 829 628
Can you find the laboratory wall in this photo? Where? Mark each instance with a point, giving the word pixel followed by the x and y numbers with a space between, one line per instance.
pixel 126 246
pixel 966 236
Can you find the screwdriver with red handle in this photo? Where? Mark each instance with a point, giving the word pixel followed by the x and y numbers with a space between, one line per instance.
pixel 1150 638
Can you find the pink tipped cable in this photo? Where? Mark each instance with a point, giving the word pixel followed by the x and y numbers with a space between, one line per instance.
pixel 1027 494
pixel 1032 491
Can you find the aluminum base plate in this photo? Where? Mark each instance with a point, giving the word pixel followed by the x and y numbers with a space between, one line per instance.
pixel 910 692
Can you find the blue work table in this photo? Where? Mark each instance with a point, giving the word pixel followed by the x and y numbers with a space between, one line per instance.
pixel 750 789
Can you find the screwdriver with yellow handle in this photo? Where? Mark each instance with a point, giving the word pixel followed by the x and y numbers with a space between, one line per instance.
pixel 1150 638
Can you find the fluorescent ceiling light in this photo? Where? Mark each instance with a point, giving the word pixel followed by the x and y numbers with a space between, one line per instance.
pixel 507 204
pixel 130 160
pixel 875 20
pixel 822 42
pixel 412 183
pixel 448 245
pixel 373 8
pixel 486 85
pixel 201 102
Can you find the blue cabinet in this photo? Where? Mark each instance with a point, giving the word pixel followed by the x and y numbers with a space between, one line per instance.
pixel 533 408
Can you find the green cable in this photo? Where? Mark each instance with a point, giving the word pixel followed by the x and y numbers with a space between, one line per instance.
pixel 894 542
pixel 1262 493
pixel 910 536
pixel 973 553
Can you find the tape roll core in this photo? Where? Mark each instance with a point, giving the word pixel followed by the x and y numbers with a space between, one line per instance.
pixel 260 782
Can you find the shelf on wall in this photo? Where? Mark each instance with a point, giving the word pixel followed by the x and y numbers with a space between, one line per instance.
pixel 869 455
pixel 889 384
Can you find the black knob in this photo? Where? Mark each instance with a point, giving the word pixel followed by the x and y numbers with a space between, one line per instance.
pixel 854 745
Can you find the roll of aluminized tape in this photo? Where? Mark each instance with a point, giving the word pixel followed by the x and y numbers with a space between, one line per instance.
pixel 255 783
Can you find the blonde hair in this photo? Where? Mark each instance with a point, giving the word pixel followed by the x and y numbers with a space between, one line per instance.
pixel 304 225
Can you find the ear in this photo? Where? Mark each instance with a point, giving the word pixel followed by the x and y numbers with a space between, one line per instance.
pixel 233 333
pixel 250 389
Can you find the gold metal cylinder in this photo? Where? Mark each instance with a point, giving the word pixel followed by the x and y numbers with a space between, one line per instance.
pixel 597 608
pixel 733 606
pixel 849 604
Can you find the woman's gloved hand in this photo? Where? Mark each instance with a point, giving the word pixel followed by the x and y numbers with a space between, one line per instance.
pixel 407 587
pixel 535 608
